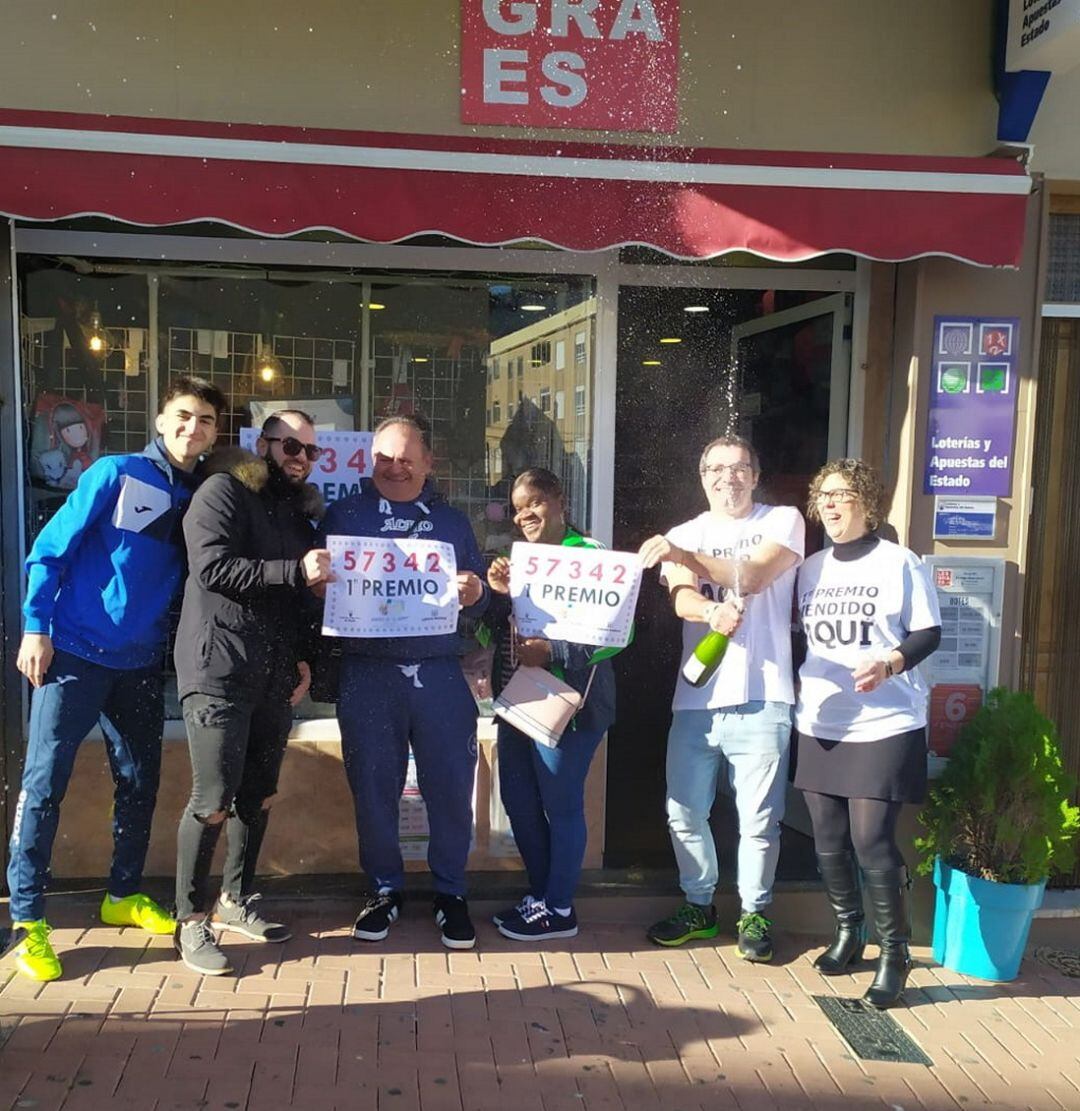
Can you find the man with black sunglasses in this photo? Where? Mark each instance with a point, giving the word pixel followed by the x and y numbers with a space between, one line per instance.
pixel 292 449
pixel 247 629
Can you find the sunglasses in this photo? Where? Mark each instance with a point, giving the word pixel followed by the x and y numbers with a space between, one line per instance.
pixel 291 446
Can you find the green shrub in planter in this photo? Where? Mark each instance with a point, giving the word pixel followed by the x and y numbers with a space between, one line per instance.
pixel 1001 810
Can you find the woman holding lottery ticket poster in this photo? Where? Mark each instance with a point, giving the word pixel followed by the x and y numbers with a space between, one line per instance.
pixel 870 615
pixel 542 788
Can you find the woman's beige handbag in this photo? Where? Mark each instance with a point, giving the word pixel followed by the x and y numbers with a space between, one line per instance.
pixel 538 703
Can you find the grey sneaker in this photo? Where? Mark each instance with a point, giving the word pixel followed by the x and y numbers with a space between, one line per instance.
pixel 244 918
pixel 198 948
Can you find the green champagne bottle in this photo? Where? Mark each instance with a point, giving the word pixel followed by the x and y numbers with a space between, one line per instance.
pixel 705 659
pixel 709 653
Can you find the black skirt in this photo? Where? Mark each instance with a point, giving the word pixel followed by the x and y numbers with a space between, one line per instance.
pixel 893 768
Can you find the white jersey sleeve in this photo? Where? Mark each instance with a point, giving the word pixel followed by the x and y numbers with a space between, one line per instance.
pixel 784 525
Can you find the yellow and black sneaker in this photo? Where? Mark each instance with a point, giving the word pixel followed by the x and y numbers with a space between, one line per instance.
pixel 755 943
pixel 688 922
pixel 34 955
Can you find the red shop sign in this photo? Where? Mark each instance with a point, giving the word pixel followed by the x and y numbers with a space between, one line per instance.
pixel 609 65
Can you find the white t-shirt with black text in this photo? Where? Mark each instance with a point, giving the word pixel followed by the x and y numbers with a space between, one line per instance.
pixel 851 609
pixel 757 664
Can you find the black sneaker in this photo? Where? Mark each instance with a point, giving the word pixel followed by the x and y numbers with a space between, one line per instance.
pixel 244 918
pixel 452 917
pixel 688 922
pixel 755 944
pixel 537 923
pixel 379 912
pixel 512 912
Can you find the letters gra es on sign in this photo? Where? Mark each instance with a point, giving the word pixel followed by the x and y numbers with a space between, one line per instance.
pixel 606 64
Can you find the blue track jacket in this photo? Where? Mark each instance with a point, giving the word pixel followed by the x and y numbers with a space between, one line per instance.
pixel 104 569
pixel 429 517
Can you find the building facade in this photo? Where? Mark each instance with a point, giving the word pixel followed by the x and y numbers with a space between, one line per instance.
pixel 433 207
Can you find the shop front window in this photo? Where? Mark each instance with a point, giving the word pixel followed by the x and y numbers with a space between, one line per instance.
pixel 101 341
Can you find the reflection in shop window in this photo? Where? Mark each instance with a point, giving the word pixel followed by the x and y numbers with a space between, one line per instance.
pixel 437 350
pixel 560 355
pixel 579 400
pixel 541 353
pixel 580 351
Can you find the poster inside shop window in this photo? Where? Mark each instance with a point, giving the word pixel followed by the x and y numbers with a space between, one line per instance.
pixel 391 587
pixel 414 829
pixel 345 459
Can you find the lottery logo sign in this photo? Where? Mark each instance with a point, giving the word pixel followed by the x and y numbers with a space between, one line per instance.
pixel 391 588
pixel 972 414
pixel 583 595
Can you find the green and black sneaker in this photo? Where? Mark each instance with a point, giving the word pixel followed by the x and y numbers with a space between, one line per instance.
pixel 688 922
pixel 755 943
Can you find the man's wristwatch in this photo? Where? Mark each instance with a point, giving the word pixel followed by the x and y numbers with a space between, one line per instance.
pixel 890 671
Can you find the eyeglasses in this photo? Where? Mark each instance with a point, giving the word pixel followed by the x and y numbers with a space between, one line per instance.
pixel 740 471
pixel 840 497
pixel 291 446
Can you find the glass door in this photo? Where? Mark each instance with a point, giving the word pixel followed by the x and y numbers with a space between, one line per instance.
pixel 772 365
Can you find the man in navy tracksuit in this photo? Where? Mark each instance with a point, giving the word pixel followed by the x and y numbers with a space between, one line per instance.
pixel 102 574
pixel 397 690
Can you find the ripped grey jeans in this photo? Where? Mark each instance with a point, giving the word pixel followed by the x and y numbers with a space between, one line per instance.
pixel 236 751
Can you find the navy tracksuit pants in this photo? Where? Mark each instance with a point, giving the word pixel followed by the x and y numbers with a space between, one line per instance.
pixel 383 707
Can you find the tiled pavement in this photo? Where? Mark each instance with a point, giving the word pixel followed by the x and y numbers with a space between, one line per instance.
pixel 601 1023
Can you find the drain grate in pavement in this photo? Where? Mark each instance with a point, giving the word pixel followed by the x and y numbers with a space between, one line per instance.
pixel 1065 961
pixel 873 1035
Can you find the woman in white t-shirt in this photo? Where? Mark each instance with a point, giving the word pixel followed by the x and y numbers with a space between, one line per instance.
pixel 870 616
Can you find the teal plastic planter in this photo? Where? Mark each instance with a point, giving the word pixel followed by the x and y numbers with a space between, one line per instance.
pixel 980 927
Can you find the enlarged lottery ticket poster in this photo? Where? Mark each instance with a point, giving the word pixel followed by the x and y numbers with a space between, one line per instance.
pixel 583 595
pixel 391 587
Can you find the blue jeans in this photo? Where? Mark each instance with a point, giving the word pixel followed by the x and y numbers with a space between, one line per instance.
pixel 76 695
pixel 383 707
pixel 750 742
pixel 543 790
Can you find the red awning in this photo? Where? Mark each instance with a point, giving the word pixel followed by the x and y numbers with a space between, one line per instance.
pixel 384 188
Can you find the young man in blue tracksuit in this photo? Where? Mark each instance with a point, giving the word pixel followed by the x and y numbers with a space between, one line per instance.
pixel 397 690
pixel 101 576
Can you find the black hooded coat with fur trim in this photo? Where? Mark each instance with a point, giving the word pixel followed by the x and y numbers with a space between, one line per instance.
pixel 247 616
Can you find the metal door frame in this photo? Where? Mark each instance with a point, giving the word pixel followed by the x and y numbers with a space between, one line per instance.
pixel 839 306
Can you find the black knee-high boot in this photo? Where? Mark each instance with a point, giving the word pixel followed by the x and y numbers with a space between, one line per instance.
pixel 840 875
pixel 888 893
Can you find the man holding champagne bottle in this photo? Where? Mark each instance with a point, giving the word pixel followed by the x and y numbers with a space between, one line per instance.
pixel 730 572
